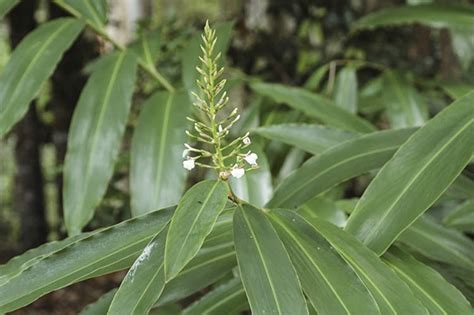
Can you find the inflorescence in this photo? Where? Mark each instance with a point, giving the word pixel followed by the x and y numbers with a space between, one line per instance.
pixel 225 157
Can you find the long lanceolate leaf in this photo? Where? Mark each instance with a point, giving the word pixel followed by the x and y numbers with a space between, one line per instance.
pixel 94 12
pixel 419 172
pixel 328 281
pixel 193 220
pixel 99 253
pixel 437 294
pixel 435 15
pixel 144 282
pixel 349 159
pixel 393 296
pixel 94 137
pixel 311 138
pixel 345 94
pixel 157 177
pixel 314 105
pixel 269 278
pixel 31 63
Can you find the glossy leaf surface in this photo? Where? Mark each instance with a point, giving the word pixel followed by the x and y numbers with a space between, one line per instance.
pixel 269 279
pixel 313 105
pixel 95 136
pixel 329 282
pixel 311 138
pixel 419 172
pixel 340 163
pixel 193 220
pixel 30 65
pixel 157 177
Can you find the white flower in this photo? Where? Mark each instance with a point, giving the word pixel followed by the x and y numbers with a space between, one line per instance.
pixel 220 128
pixel 237 172
pixel 251 158
pixel 246 141
pixel 189 164
pixel 185 153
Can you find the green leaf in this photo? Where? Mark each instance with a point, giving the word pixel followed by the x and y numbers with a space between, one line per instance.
pixel 457 90
pixel 311 138
pixel 147 48
pixel 404 106
pixel 462 217
pixel 347 160
pixel 329 282
pixel 345 91
pixel 256 186
pixel 434 15
pixel 7 5
pixel 462 188
pixel 191 53
pixel 437 294
pixel 315 79
pixel 439 243
pixel 144 282
pixel 313 105
pixel 209 265
pixel 323 208
pixel 268 276
pixel 94 137
pixel 100 306
pixel 99 253
pixel 228 298
pixel 157 177
pixel 419 172
pixel 193 220
pixel 93 12
pixel 393 296
pixel 30 64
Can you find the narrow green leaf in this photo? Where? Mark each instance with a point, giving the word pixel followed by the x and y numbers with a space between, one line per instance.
pixel 268 276
pixel 342 162
pixel 323 208
pixel 228 298
pixel 457 90
pixel 345 91
pixel 144 282
pixel 89 257
pixel 313 105
pixel 93 12
pixel 191 53
pixel 147 48
pixel 209 265
pixel 404 106
pixel 329 282
pixel 393 296
pixel 100 306
pixel 193 220
pixel 434 15
pixel 94 137
pixel 462 217
pixel 256 186
pixel 315 79
pixel 437 294
pixel 462 188
pixel 7 5
pixel 30 64
pixel 419 172
pixel 440 243
pixel 157 177
pixel 311 138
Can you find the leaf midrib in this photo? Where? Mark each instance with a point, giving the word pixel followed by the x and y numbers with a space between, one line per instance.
pixel 353 157
pixel 411 280
pixel 314 264
pixel 377 224
pixel 265 267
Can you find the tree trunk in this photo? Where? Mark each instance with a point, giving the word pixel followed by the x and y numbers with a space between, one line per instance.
pixel 28 198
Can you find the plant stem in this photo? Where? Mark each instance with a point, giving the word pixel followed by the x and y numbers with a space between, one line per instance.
pixel 100 31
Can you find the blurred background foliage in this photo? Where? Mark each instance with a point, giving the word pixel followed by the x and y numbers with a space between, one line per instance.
pixel 299 43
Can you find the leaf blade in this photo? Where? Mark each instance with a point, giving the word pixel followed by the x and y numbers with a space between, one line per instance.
pixel 30 64
pixel 432 158
pixel 94 138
